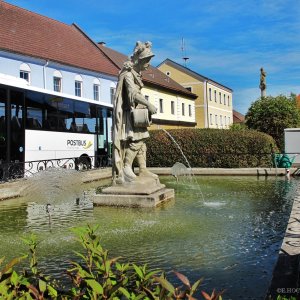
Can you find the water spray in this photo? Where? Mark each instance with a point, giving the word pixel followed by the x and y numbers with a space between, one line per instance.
pixel 48 211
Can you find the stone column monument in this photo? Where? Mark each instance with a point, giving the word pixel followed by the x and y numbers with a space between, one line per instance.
pixel 263 85
pixel 132 116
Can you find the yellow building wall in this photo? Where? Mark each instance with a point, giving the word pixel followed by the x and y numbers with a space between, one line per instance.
pixel 196 86
pixel 219 107
pixel 213 108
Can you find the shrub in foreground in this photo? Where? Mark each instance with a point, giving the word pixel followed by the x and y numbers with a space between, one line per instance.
pixel 94 276
pixel 216 148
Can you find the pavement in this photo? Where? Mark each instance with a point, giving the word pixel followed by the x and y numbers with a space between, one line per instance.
pixel 17 188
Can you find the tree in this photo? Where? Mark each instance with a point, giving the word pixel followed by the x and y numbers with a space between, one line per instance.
pixel 272 115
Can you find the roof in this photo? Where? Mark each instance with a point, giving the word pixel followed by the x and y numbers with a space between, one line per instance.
pixel 298 101
pixel 152 76
pixel 31 34
pixel 238 117
pixel 192 73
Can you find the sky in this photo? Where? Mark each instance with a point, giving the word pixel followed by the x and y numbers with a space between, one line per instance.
pixel 227 41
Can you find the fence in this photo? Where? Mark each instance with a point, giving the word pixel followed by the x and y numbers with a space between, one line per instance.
pixel 15 170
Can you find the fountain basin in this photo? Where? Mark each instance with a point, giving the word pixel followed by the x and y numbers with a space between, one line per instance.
pixel 232 238
pixel 143 192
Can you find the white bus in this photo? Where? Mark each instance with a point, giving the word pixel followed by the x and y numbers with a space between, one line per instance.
pixel 49 128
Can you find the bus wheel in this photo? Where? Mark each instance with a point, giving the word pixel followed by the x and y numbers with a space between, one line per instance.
pixel 84 163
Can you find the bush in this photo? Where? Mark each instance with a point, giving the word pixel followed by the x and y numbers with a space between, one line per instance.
pixel 272 115
pixel 215 148
pixel 94 276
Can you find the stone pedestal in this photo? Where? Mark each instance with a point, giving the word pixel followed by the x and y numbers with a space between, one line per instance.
pixel 143 192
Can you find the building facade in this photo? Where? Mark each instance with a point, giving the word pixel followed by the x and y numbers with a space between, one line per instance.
pixel 213 106
pixel 55 89
pixel 175 104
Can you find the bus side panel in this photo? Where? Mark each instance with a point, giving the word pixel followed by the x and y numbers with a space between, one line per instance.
pixel 46 145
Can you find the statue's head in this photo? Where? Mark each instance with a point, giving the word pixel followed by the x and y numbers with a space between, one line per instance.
pixel 142 55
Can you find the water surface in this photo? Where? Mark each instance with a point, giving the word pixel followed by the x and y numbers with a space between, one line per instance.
pixel 230 236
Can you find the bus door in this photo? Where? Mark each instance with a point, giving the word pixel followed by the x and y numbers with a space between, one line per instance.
pixel 17 130
pixel 3 138
pixel 11 130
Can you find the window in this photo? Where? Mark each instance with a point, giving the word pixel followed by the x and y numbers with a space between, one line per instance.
pixel 96 90
pixel 228 101
pixel 224 99
pixel 57 84
pixel 57 113
pixel 182 109
pixel 228 120
pixel 161 105
pixel 189 88
pixel 78 86
pixel 221 120
pixel 211 119
pixel 209 94
pixel 24 75
pixel 172 108
pixel 225 120
pixel 215 96
pixel 147 97
pixel 220 97
pixel 216 119
pixel 168 73
pixel 190 110
pixel 57 80
pixel 112 94
pixel 25 72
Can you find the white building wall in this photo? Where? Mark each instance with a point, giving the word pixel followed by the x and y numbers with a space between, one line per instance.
pixel 41 75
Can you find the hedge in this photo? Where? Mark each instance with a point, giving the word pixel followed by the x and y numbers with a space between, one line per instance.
pixel 215 148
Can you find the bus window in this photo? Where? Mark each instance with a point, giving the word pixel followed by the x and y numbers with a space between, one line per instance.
pixel 59 113
pixel 2 126
pixel 34 111
pixel 85 117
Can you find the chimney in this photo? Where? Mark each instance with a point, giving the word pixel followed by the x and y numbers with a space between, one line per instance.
pixel 102 43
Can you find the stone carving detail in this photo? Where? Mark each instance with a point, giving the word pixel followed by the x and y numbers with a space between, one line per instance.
pixel 132 116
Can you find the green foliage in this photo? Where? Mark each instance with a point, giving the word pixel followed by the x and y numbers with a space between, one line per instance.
pixel 238 126
pixel 210 148
pixel 94 276
pixel 279 297
pixel 272 115
pixel 29 283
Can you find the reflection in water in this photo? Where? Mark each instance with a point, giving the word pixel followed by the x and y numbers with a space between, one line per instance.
pixel 232 239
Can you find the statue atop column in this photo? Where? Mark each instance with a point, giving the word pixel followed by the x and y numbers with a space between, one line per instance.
pixel 263 85
pixel 132 116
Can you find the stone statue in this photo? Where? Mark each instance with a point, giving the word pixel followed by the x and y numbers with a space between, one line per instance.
pixel 263 85
pixel 132 116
